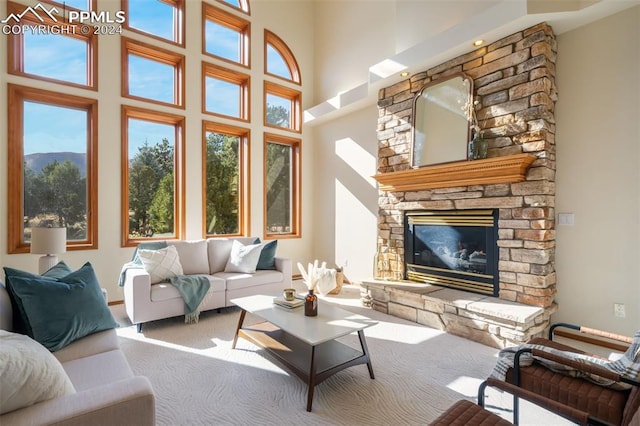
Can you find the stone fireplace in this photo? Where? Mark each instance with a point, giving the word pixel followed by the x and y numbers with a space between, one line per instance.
pixel 514 83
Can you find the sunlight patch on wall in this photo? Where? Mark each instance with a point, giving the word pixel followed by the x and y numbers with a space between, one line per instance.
pixel 361 161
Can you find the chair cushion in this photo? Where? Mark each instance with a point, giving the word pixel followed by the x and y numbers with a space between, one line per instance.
pixel 29 373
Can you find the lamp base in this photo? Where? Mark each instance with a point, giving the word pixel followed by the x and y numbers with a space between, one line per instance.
pixel 47 262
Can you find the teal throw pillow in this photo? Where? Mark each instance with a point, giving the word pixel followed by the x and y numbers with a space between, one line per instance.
pixel 58 270
pixel 60 312
pixel 268 256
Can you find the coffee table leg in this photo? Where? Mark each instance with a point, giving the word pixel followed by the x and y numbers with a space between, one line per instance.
pixel 365 351
pixel 312 378
pixel 240 321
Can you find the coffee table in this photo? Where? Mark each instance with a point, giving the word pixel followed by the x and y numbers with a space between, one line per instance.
pixel 306 346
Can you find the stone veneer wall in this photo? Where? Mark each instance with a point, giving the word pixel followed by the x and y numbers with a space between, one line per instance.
pixel 514 82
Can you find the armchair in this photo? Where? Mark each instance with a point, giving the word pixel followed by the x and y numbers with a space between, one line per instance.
pixel 564 374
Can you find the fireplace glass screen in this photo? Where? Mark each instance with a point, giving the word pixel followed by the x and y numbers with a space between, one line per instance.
pixel 455 249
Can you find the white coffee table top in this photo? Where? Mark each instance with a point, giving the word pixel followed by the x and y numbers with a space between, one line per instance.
pixel 330 323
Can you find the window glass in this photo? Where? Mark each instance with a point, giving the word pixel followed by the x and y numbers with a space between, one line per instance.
pixel 222 97
pixel 222 41
pixel 279 188
pixel 78 4
pixel 151 159
pixel 278 111
pixel 151 79
pixel 222 171
pixel 276 64
pixel 55 169
pixel 56 56
pixel 154 17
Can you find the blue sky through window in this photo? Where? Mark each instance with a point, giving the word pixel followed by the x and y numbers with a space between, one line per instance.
pixel 141 131
pixel 222 97
pixel 78 4
pixel 51 128
pixel 278 101
pixel 151 79
pixel 55 56
pixel 153 17
pixel 222 41
pixel 276 63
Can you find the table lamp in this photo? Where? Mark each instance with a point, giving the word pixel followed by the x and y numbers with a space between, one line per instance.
pixel 50 242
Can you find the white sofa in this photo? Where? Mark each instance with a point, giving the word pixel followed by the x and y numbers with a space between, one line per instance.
pixel 145 301
pixel 106 390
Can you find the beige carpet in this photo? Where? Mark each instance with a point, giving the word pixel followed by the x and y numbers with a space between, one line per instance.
pixel 199 380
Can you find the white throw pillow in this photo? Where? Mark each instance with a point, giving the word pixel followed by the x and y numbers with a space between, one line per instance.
pixel 193 256
pixel 243 258
pixel 29 373
pixel 161 264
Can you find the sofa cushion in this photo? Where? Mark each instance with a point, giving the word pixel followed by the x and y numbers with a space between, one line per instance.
pixel 29 373
pixel 166 291
pixel 82 372
pixel 243 258
pixel 193 256
pixel 61 312
pixel 236 281
pixel 219 250
pixel 268 255
pixel 161 264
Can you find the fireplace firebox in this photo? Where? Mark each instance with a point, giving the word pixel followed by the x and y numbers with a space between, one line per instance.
pixel 455 249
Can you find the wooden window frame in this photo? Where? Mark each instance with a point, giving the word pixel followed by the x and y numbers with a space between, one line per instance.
pixel 93 5
pixel 244 6
pixel 244 205
pixel 290 60
pixel 15 49
pixel 296 185
pixel 17 95
pixel 224 74
pixel 178 122
pixel 179 24
pixel 294 96
pixel 233 22
pixel 154 53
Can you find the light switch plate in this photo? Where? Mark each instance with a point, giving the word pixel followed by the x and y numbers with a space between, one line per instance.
pixel 566 219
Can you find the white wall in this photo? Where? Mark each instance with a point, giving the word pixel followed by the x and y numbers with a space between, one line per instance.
pixel 598 172
pixel 292 21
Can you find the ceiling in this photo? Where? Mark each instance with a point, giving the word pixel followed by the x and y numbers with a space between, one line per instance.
pixel 501 19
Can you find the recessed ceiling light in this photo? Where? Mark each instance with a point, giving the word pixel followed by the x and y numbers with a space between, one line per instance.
pixel 478 43
pixel 404 73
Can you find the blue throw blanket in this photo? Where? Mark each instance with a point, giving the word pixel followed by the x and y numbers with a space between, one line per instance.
pixel 192 288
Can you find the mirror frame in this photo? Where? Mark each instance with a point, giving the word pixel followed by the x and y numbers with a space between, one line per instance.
pixel 469 103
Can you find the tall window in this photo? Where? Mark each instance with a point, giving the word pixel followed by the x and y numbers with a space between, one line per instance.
pixel 225 195
pixel 153 74
pixel 52 166
pixel 282 186
pixel 162 19
pixel 66 58
pixel 225 36
pixel 152 163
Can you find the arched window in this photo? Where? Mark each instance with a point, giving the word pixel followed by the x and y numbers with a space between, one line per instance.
pixel 278 59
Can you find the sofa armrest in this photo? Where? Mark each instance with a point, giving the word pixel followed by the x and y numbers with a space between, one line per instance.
pixel 284 265
pixel 137 294
pixel 129 401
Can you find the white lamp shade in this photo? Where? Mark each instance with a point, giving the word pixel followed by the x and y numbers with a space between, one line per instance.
pixel 48 240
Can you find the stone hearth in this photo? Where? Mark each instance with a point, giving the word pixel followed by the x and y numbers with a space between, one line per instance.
pixel 514 82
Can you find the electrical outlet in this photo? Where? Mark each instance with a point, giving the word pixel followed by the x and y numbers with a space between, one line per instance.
pixel 618 310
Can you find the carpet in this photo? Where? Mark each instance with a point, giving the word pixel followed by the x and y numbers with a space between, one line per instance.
pixel 199 380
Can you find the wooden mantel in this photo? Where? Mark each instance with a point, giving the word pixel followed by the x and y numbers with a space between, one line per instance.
pixel 507 169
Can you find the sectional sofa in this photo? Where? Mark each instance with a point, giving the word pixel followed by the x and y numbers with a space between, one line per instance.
pixel 148 301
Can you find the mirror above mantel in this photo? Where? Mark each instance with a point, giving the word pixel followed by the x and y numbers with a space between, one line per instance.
pixel 441 121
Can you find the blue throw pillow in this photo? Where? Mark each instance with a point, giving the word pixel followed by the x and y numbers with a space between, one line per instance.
pixel 60 312
pixel 267 256
pixel 58 270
